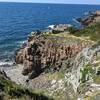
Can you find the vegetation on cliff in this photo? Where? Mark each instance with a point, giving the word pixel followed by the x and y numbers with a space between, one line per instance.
pixel 91 31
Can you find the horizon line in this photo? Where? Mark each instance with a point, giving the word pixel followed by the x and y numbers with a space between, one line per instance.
pixel 47 3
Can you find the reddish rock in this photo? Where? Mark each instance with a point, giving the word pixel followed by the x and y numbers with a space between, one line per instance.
pixel 41 53
pixel 93 17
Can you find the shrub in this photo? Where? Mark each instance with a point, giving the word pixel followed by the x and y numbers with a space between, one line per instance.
pixel 72 30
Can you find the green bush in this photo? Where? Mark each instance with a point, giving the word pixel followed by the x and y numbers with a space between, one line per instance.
pixel 73 30
pixel 85 72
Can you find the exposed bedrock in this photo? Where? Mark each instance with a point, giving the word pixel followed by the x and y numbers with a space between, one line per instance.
pixel 43 52
pixel 92 17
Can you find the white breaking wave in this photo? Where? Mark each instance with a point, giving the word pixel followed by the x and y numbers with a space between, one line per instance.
pixel 2 63
pixel 21 42
pixel 51 26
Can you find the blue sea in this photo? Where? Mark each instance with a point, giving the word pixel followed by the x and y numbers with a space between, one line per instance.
pixel 17 20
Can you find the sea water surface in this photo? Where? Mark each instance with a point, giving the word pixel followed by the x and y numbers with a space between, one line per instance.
pixel 17 20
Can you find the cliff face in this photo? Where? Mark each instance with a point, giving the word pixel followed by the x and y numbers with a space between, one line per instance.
pixel 48 51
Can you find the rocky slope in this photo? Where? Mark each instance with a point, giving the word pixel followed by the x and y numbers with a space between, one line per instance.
pixel 81 81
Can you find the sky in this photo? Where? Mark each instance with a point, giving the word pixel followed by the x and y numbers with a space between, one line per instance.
pixel 58 1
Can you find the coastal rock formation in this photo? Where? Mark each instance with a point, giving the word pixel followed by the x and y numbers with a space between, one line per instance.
pixel 47 51
pixel 59 28
pixel 92 17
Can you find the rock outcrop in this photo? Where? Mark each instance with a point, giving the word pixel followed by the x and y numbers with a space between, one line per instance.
pixel 59 28
pixel 43 52
pixel 92 17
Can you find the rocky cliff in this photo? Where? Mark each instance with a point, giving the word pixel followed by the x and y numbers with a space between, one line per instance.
pixel 48 51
